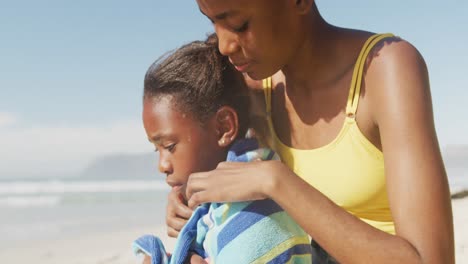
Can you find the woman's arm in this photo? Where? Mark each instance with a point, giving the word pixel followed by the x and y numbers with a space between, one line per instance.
pixel 417 183
pixel 398 86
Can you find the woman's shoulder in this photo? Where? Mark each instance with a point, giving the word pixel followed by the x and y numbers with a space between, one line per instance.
pixel 394 59
pixel 390 50
pixel 394 51
pixel 395 74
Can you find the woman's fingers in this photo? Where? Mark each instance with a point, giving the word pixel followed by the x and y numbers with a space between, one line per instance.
pixel 199 198
pixel 234 182
pixel 174 225
pixel 177 213
pixel 196 259
pixel 171 232
pixel 146 259
pixel 229 182
pixel 182 210
pixel 176 205
pixel 226 165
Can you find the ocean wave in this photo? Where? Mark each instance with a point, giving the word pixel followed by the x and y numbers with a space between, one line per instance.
pixel 62 187
pixel 30 201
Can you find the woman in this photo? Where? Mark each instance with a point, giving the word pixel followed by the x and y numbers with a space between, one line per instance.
pixel 350 114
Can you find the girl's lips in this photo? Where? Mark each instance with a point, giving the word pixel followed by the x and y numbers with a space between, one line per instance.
pixel 176 187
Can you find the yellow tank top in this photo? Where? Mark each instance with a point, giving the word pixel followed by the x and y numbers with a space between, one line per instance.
pixel 350 169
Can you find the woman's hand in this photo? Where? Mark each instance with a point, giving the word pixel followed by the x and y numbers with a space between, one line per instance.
pixel 196 259
pixel 235 181
pixel 177 213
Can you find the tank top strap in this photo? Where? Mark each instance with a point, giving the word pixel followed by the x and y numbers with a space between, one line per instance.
pixel 356 82
pixel 267 92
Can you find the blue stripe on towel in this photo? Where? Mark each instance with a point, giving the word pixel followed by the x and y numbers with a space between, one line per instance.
pixel 238 149
pixel 284 257
pixel 250 215
pixel 270 156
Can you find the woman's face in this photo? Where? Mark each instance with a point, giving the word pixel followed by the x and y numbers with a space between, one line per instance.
pixel 259 36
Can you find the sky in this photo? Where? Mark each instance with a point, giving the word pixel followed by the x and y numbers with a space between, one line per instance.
pixel 71 72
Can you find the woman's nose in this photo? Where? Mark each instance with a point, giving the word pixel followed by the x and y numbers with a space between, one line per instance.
pixel 228 43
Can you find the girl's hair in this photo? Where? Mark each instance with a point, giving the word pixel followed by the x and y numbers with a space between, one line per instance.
pixel 199 80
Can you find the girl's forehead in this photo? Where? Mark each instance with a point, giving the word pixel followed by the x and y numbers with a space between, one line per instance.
pixel 159 105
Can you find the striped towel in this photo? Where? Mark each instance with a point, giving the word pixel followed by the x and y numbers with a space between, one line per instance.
pixel 240 232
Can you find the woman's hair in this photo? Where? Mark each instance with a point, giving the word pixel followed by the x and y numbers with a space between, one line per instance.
pixel 199 81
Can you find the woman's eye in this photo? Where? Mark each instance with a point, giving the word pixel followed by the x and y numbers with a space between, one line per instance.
pixel 242 28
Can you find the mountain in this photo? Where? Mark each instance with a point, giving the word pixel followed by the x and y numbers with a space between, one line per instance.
pixel 145 167
pixel 123 167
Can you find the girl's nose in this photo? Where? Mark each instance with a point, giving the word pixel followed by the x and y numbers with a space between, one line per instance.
pixel 164 165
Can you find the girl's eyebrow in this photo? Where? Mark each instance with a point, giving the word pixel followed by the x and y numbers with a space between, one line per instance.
pixel 156 139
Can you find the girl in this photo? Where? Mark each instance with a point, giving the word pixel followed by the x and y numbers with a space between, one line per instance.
pixel 195 111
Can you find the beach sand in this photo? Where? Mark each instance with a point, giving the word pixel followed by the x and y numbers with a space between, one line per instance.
pixel 115 247
pixel 100 248
pixel 460 221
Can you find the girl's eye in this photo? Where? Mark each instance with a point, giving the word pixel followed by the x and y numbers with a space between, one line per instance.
pixel 242 28
pixel 170 147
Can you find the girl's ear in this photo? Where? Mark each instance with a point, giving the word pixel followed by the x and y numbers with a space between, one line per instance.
pixel 304 6
pixel 227 125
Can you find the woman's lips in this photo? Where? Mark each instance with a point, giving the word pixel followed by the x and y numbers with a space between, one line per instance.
pixel 241 66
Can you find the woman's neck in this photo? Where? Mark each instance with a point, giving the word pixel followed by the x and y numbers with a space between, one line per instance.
pixel 318 61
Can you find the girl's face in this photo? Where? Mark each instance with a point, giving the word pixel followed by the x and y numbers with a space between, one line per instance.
pixel 259 36
pixel 184 146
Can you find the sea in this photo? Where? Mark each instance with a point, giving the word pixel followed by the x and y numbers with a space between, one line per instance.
pixel 53 209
